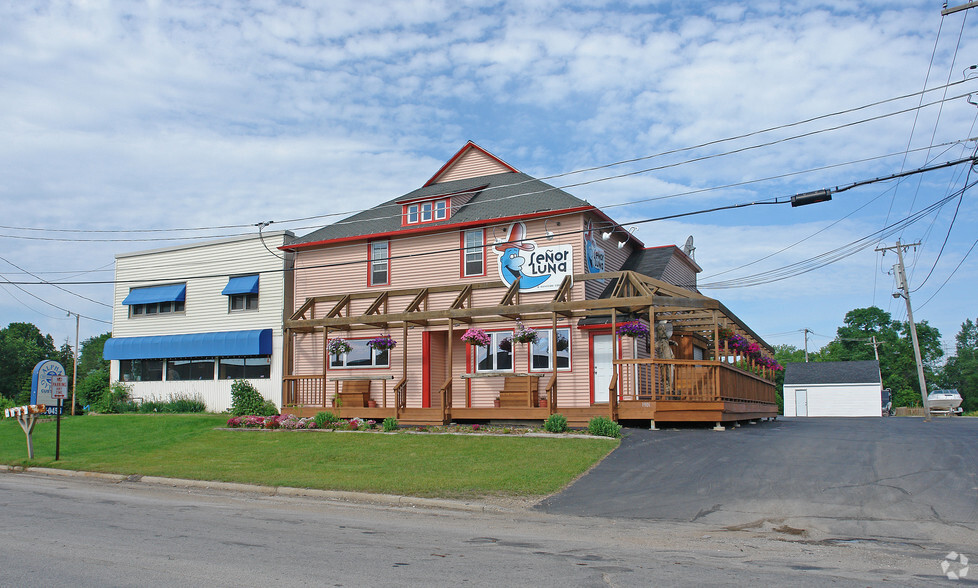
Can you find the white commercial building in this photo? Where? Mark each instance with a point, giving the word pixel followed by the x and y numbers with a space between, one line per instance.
pixel 192 319
pixel 833 389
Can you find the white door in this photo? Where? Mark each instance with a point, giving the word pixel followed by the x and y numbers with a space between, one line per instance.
pixel 801 402
pixel 603 368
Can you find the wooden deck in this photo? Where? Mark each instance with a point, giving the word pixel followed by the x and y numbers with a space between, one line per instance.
pixel 645 390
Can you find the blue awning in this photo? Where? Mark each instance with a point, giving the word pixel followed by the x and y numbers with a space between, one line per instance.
pixel 169 293
pixel 241 285
pixel 225 344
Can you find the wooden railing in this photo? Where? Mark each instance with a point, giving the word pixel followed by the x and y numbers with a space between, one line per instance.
pixel 688 380
pixel 400 396
pixel 303 391
pixel 445 394
pixel 551 393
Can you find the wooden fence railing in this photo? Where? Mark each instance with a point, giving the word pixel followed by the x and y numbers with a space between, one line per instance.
pixel 689 380
pixel 303 391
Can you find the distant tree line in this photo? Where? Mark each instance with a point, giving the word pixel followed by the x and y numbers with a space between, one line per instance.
pixel 854 342
pixel 22 346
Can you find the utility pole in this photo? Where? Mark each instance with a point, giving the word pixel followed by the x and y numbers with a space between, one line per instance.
pixel 904 292
pixel 74 377
pixel 876 348
pixel 807 331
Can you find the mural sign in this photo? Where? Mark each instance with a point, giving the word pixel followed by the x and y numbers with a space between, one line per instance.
pixel 594 255
pixel 538 268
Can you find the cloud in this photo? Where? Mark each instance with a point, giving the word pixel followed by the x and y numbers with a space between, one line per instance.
pixel 165 114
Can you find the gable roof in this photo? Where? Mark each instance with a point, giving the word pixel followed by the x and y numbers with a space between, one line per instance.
pixel 470 161
pixel 490 197
pixel 832 372
pixel 652 262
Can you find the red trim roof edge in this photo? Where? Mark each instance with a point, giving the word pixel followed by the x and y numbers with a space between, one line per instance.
pixel 466 147
pixel 435 228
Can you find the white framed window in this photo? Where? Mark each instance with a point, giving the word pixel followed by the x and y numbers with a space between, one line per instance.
pixel 154 308
pixel 361 355
pixel 379 263
pixel 474 254
pixel 498 356
pixel 424 212
pixel 239 302
pixel 540 350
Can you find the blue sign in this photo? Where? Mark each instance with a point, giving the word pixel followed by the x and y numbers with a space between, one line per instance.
pixel 41 386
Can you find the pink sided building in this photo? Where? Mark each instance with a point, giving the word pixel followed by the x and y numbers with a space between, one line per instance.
pixel 617 329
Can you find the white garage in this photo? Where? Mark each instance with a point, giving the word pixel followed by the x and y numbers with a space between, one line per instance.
pixel 833 389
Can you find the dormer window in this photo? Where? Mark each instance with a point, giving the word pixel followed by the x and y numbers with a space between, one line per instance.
pixel 425 212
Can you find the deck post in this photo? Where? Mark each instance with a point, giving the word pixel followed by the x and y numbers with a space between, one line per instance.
pixel 447 399
pixel 654 376
pixel 716 356
pixel 325 361
pixel 613 394
pixel 719 427
pixel 551 402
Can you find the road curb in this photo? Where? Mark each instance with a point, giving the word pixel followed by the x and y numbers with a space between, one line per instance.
pixel 392 500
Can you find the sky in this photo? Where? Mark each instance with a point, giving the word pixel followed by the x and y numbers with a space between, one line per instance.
pixel 121 122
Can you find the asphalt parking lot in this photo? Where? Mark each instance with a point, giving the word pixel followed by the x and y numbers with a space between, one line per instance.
pixel 858 477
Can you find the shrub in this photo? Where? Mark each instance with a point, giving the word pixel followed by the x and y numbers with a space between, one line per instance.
pixel 604 427
pixel 175 403
pixel 325 419
pixel 92 387
pixel 115 400
pixel 245 399
pixel 556 423
pixel 6 403
pixel 389 424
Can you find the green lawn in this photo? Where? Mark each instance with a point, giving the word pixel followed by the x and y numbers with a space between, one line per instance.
pixel 188 446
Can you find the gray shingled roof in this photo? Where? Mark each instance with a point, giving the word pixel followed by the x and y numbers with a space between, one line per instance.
pixel 832 372
pixel 649 262
pixel 498 196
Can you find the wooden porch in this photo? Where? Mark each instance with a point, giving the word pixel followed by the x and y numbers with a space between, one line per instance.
pixel 654 390
pixel 650 389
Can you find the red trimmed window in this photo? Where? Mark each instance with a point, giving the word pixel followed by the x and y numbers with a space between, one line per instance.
pixel 427 211
pixel 378 272
pixel 473 253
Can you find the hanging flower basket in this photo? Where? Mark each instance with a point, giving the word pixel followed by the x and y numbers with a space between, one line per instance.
pixel 632 329
pixel 737 343
pixel 524 335
pixel 506 345
pixel 382 343
pixel 338 347
pixel 477 337
pixel 562 343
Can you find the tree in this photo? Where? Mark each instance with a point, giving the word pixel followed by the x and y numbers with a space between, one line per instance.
pixel 898 365
pixel 22 345
pixel 91 355
pixel 961 371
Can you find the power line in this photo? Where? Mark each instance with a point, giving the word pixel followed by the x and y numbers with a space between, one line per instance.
pixel 594 168
pixel 52 304
pixel 613 226
pixel 55 285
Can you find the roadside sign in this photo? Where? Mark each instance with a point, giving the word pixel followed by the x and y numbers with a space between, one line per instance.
pixel 42 385
pixel 59 387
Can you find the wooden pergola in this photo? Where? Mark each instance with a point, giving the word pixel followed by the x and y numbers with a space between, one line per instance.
pixel 633 297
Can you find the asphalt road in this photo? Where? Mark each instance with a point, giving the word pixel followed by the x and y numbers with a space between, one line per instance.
pixel 884 478
pixel 874 502
pixel 82 533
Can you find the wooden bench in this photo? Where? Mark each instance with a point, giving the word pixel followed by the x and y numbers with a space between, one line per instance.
pixel 519 392
pixel 355 394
